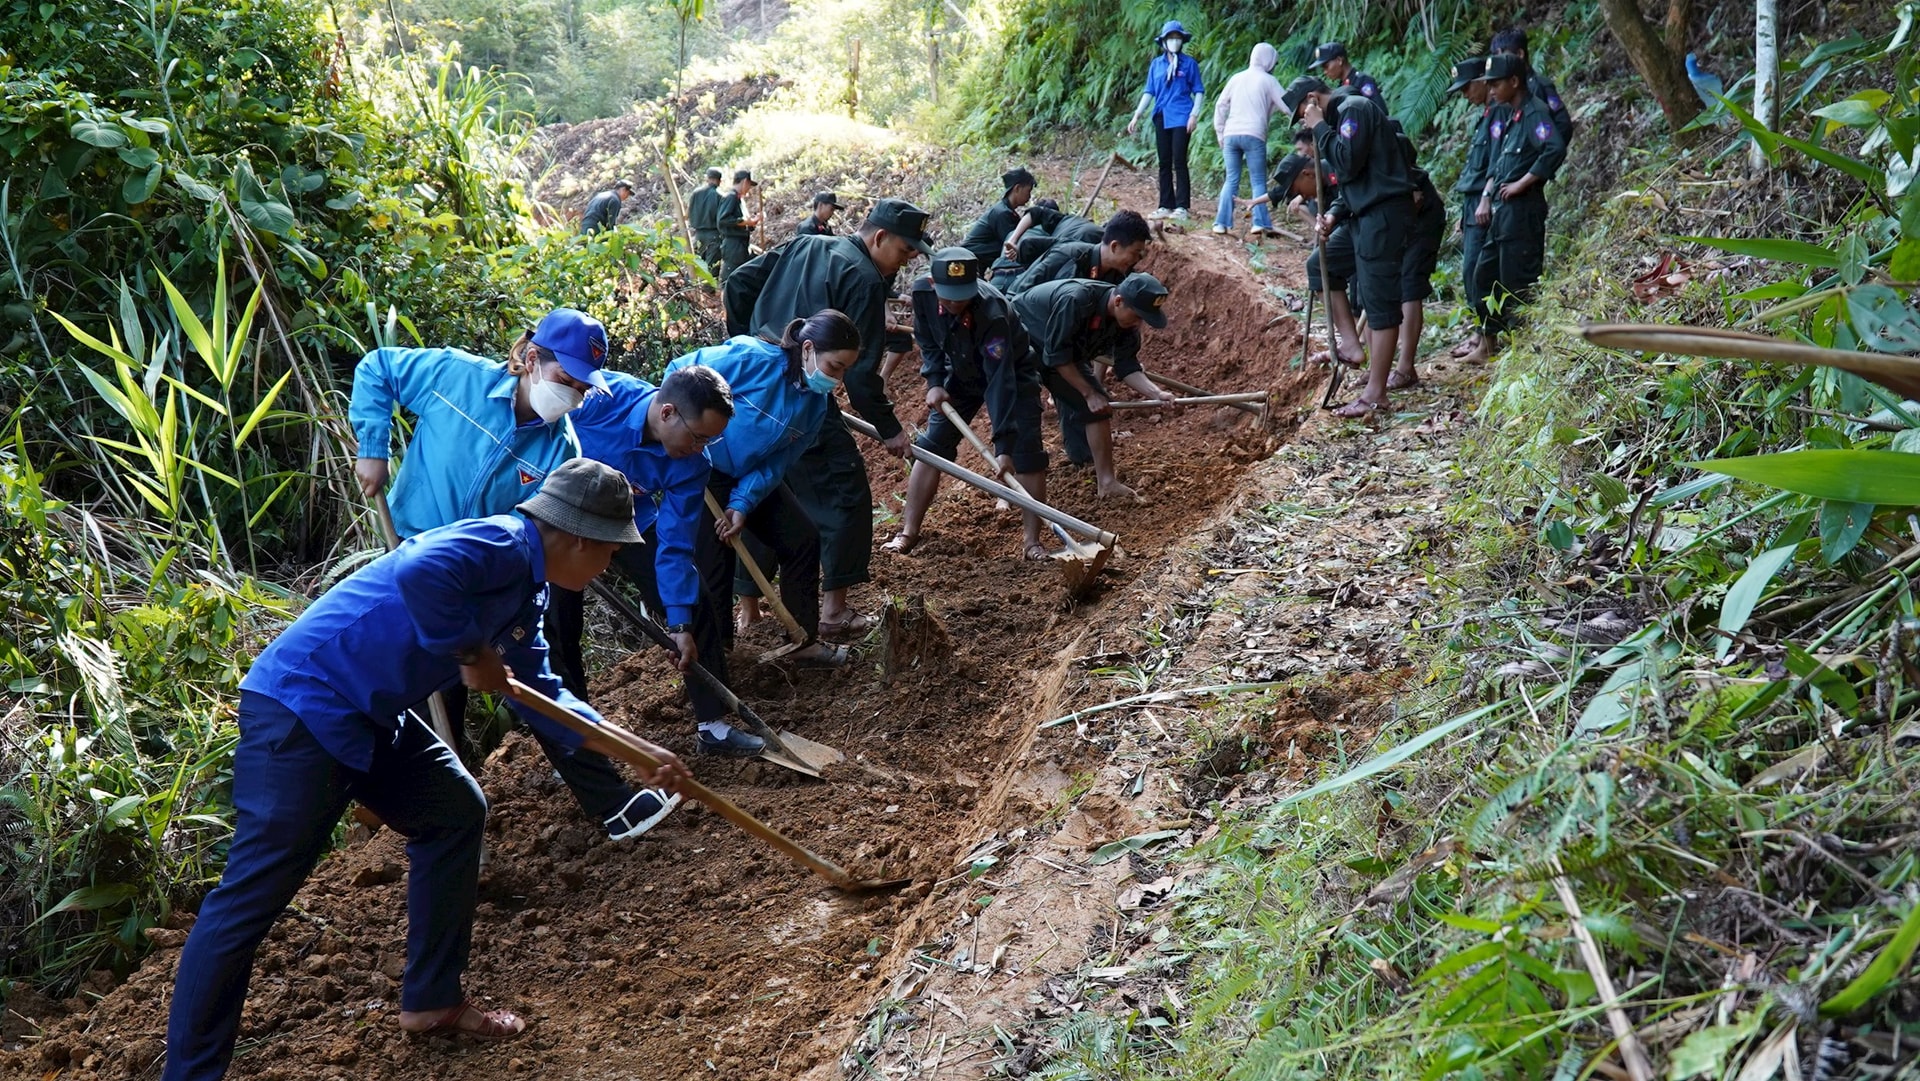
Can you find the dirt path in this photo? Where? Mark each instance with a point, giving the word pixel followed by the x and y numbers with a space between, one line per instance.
pixel 699 953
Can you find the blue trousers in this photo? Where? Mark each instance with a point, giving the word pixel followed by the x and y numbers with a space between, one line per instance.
pixel 288 793
pixel 1251 153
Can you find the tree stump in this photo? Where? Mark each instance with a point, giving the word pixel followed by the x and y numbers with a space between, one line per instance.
pixel 914 640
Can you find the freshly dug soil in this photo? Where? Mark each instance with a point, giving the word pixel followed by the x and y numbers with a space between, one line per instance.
pixel 698 951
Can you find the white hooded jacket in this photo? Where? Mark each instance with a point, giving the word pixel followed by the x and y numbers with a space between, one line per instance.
pixel 1250 98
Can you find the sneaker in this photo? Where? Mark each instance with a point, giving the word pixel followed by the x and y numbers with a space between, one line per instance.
pixel 737 744
pixel 643 812
pixel 1179 215
pixel 1160 212
pixel 1220 230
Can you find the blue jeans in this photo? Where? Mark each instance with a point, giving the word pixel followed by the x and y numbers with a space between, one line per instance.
pixel 1253 153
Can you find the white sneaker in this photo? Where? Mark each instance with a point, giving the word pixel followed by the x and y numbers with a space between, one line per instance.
pixel 643 812
pixel 1179 215
pixel 1220 230
pixel 1160 212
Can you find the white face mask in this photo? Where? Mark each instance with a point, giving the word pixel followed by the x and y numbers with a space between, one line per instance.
pixel 1174 44
pixel 552 400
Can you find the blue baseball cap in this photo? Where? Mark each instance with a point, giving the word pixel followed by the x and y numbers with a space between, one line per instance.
pixel 1172 27
pixel 577 341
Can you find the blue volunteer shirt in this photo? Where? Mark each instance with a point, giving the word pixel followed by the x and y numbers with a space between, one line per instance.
pixel 1172 87
pixel 470 455
pixel 666 491
pixel 775 417
pixel 384 639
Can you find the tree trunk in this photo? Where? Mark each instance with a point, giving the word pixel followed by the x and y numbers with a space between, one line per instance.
pixel 1766 72
pixel 1658 54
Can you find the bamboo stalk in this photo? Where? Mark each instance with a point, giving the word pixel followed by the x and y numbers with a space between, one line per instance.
pixel 1635 1055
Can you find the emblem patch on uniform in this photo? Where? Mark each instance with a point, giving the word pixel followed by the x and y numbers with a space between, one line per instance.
pixel 519 634
pixel 956 269
pixel 527 478
pixel 1540 131
pixel 1553 102
pixel 995 348
pixel 597 350
pixel 1367 89
pixel 1159 299
pixel 1346 129
pixel 1499 128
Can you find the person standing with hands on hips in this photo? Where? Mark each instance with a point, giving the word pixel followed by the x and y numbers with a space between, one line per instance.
pixel 1173 92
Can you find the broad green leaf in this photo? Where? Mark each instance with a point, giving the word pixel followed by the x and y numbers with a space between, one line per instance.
pixel 265 212
pixel 1882 972
pixel 1851 113
pixel 196 187
pixel 1905 265
pixel 98 133
pixel 238 342
pixel 1841 527
pixel 1107 853
pixel 91 899
pixel 1383 762
pixel 1785 251
pixel 1707 1051
pixel 92 342
pixel 1854 255
pixel 190 323
pixel 140 157
pixel 1852 476
pixel 275 494
pixel 1738 607
pixel 1775 291
pixel 1823 679
pixel 139 187
pixel 261 410
pixel 1613 704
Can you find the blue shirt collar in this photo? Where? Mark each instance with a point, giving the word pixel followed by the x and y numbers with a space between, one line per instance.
pixel 536 549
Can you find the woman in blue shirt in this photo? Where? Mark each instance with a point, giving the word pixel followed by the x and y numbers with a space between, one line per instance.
pixel 1173 92
pixel 780 397
pixel 485 435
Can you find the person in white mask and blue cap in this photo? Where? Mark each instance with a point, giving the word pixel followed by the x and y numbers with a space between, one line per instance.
pixel 1173 92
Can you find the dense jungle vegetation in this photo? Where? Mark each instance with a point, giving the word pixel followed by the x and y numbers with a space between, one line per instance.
pixel 1670 711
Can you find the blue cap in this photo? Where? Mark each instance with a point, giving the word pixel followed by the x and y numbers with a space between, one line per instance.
pixel 577 341
pixel 1172 27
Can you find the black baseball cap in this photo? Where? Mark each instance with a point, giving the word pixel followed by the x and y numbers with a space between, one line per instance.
pixel 1504 66
pixel 1466 71
pixel 902 219
pixel 1326 52
pixel 956 274
pixel 1285 173
pixel 1013 178
pixel 1144 294
pixel 1298 90
pixel 744 174
pixel 827 198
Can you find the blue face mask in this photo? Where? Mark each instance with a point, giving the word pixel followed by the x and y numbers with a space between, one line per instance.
pixel 821 383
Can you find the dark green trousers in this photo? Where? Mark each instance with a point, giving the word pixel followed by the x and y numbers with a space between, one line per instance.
pixel 1472 239
pixel 830 481
pixel 1512 260
pixel 733 251
pixel 711 253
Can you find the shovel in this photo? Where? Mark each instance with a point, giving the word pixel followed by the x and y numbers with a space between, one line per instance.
pixel 1338 371
pixel 436 705
pixel 1013 496
pixel 1079 563
pixel 1246 398
pixel 613 740
pixel 797 638
pixel 1188 388
pixel 797 753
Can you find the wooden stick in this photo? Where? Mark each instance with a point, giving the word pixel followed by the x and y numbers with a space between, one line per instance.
pixel 1631 1050
pixel 1007 476
pixel 1188 388
pixel 1897 373
pixel 767 591
pixel 620 743
pixel 1101 183
pixel 992 487
pixel 1207 399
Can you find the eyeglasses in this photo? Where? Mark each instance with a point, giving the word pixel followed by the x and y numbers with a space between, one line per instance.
pixel 698 439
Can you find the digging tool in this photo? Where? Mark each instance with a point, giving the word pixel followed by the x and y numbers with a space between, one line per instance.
pixel 1100 183
pixel 1338 372
pixel 613 740
pixel 798 638
pixel 1188 388
pixel 795 752
pixel 436 705
pixel 1079 563
pixel 994 487
pixel 1247 398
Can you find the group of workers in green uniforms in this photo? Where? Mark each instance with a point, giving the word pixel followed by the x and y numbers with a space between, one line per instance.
pixel 524 481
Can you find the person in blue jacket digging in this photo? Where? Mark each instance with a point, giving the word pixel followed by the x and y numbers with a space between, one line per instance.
pixel 324 718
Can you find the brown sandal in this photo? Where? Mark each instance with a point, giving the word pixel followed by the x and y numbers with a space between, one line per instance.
pixel 851 622
pixel 495 1025
pixel 1357 408
pixel 1037 553
pixel 1399 380
pixel 901 543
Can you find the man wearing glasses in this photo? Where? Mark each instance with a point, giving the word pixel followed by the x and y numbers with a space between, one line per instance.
pixel 657 439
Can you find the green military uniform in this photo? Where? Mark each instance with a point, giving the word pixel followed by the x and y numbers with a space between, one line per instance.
pixel 990 230
pixel 703 215
pixel 1068 323
pixel 1521 139
pixel 1063 226
pixel 1374 198
pixel 812 226
pixel 1473 180
pixel 731 218
pixel 1066 259
pixel 794 281
pixel 1540 88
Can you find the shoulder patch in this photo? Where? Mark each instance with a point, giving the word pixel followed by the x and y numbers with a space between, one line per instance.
pixel 1554 103
pixel 1346 129
pixel 1498 127
pixel 1542 130
pixel 995 348
pixel 1368 88
pixel 528 478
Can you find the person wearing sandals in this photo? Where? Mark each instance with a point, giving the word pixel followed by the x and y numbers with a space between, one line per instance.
pixel 1374 200
pixel 658 438
pixel 1173 93
pixel 324 719
pixel 485 436
pixel 781 397
pixel 849 274
pixel 973 352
